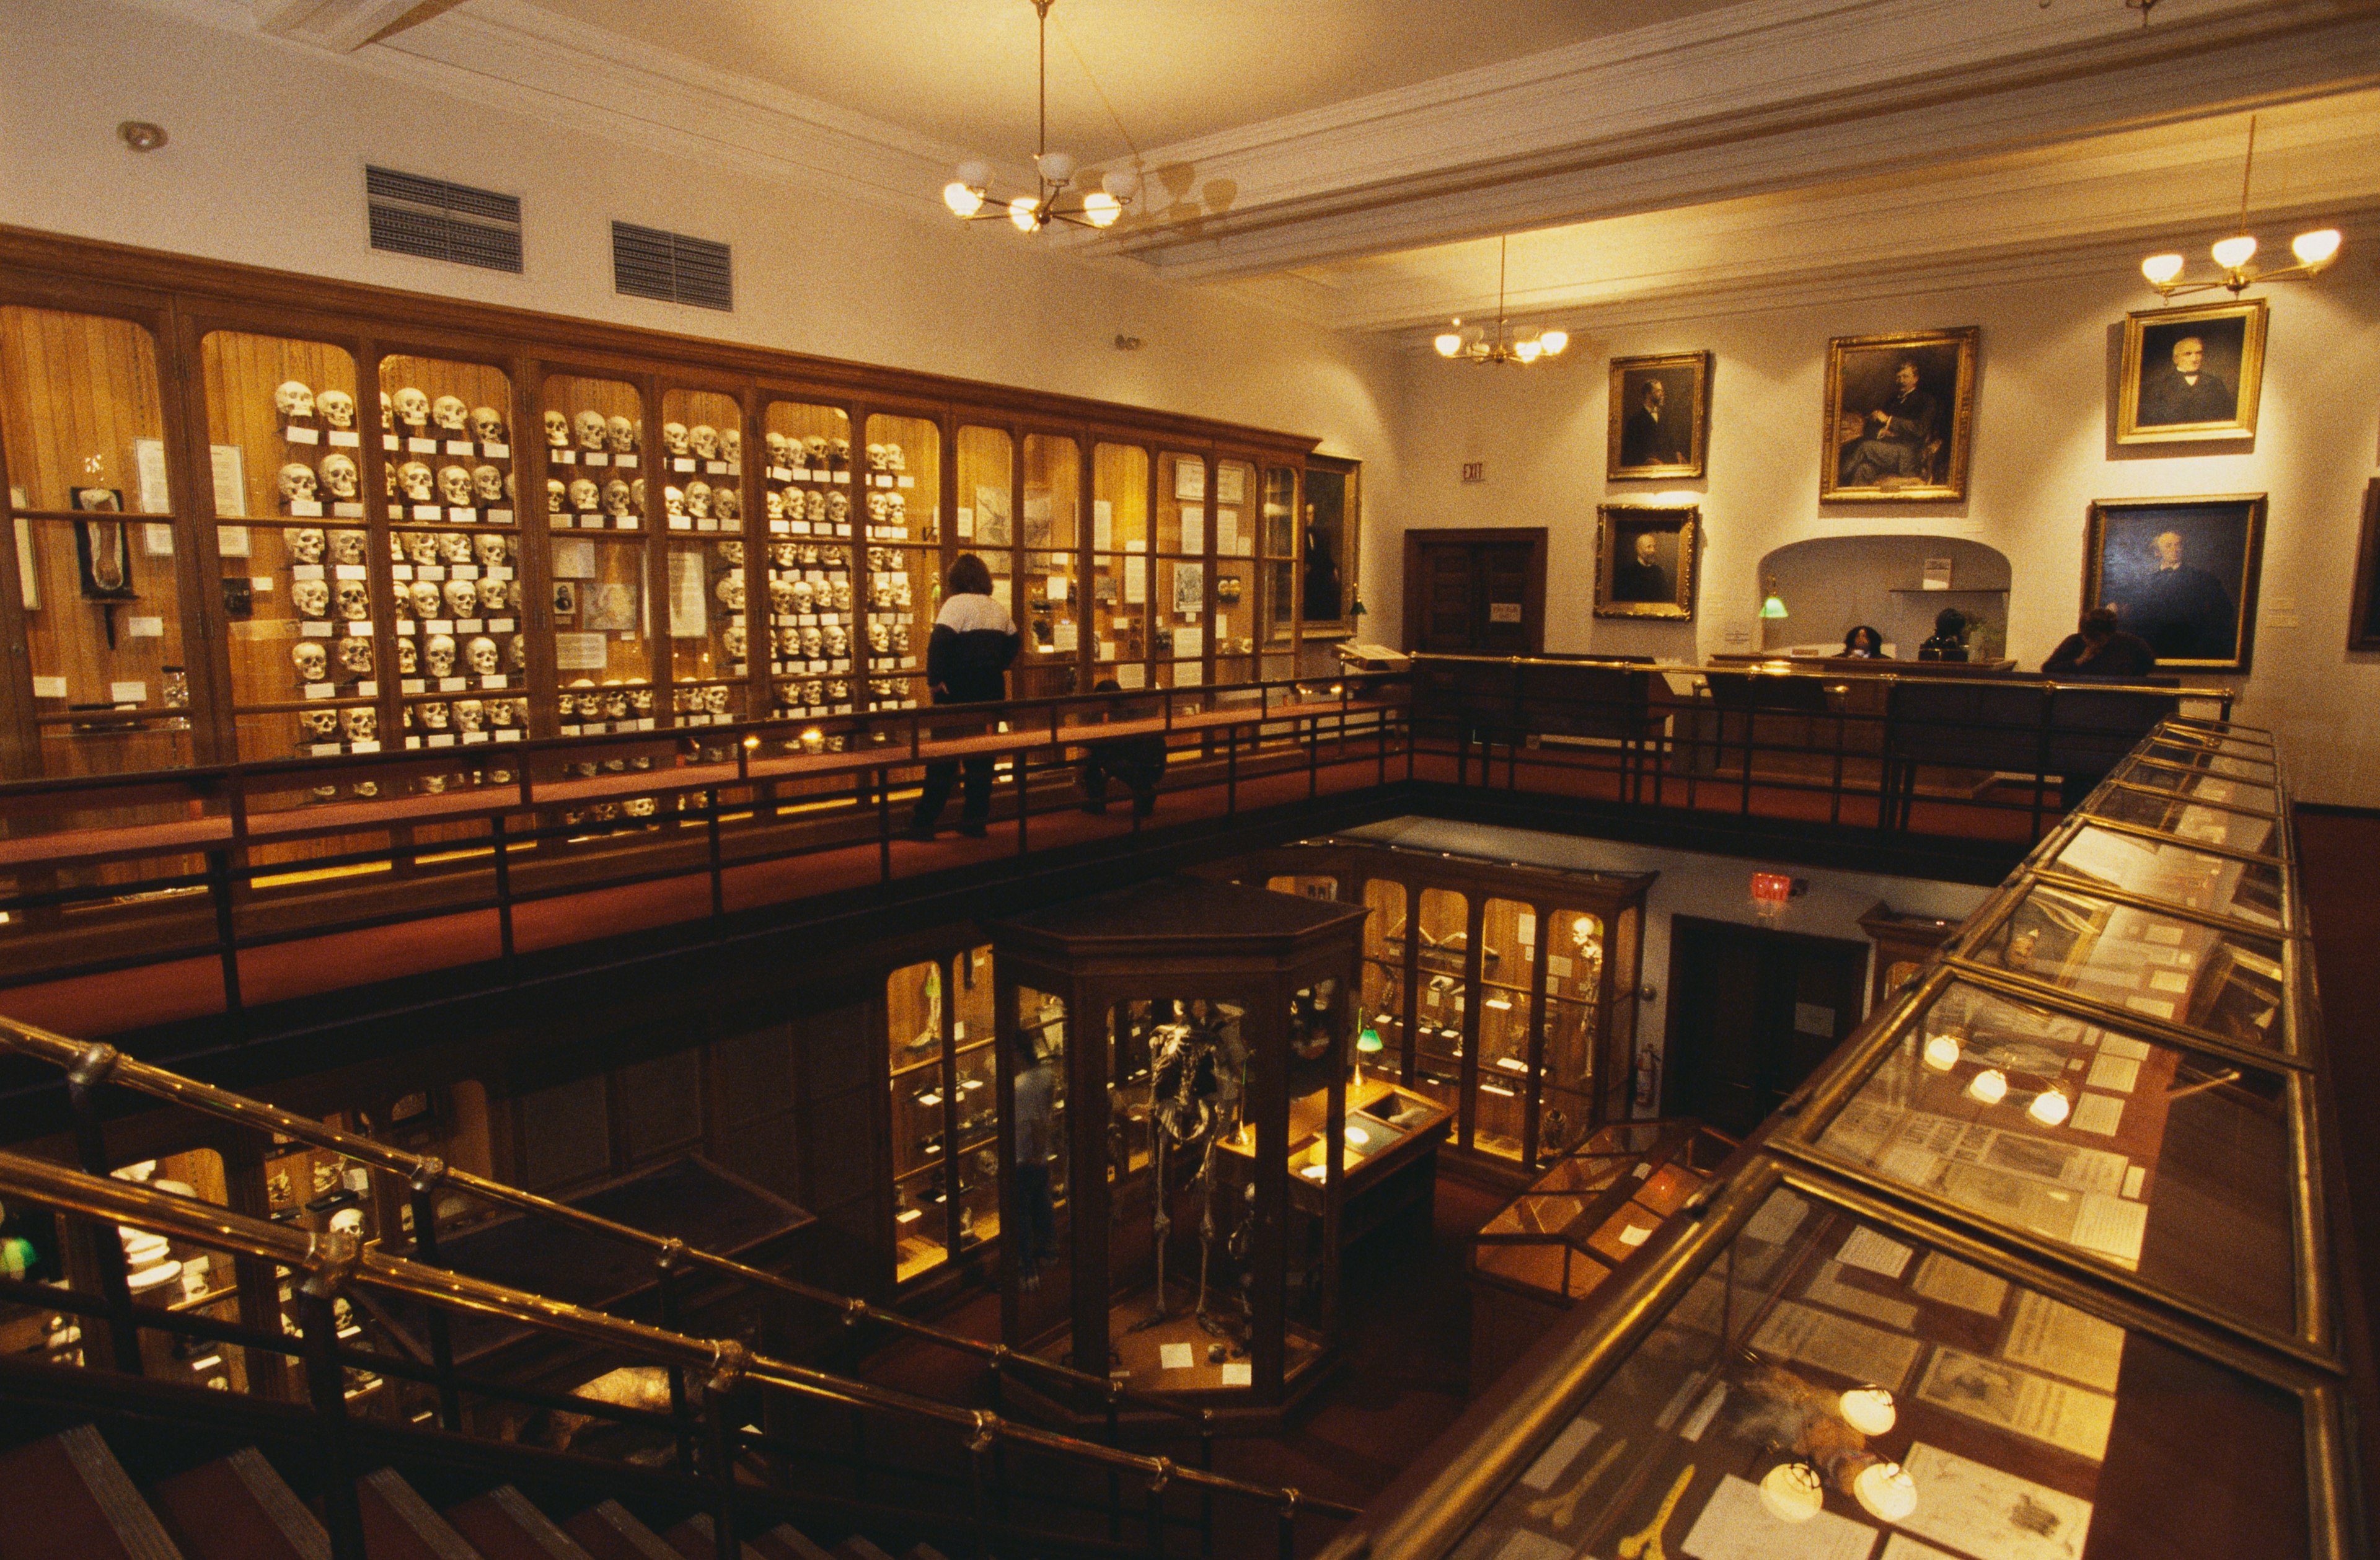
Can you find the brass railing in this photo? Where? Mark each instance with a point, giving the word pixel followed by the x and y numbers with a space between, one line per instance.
pixel 332 1262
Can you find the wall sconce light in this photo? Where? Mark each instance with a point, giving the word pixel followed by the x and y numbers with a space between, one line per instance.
pixel 1774 606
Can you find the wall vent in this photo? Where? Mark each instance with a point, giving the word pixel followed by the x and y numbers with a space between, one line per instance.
pixel 435 220
pixel 648 262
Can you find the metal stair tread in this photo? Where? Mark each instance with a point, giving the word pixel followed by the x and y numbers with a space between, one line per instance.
pixel 506 1525
pixel 418 1520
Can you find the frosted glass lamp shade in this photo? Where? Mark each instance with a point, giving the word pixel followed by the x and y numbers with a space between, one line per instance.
pixel 2161 268
pixel 2234 252
pixel 2315 248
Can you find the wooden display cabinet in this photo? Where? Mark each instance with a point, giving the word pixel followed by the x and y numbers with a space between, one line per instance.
pixel 1904 943
pixel 942 1110
pixel 1115 1282
pixel 1141 547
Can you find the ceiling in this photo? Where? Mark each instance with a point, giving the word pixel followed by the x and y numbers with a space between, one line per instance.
pixel 1354 161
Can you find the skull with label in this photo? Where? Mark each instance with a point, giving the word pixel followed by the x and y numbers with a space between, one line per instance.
pixel 296 482
pixel 421 546
pixel 361 723
pixel 838 506
pixel 413 408
pixel 782 554
pixel 729 503
pixel 294 399
pixel 714 697
pixel 339 476
pixel 616 498
pixel 702 439
pixel 674 503
pixel 462 598
pixel 415 478
pixel 338 407
pixel 781 449
pixel 697 499
pixel 838 640
pixel 356 655
pixel 813 642
pixel 305 545
pixel 814 452
pixel 427 604
pixel 312 598
pixel 487 425
pixel 674 438
pixel 730 445
pixel 838 451
pixel 733 642
pixel 488 484
pixel 584 496
pixel 408 658
pixel 451 415
pixel 879 637
pixel 438 655
pixel 348 547
pixel 557 496
pixel 557 430
pixel 355 601
pixel 313 663
pixel 481 654
pixel 469 714
pixel 621 435
pixel 454 547
pixel 591 429
pixel 435 717
pixel 876 458
pixel 454 486
pixel 496 595
pixel 494 550
pixel 320 726
pixel 730 591
pixel 777 503
pixel 500 714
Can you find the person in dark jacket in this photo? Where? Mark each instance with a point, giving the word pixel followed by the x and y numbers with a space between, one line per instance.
pixel 966 663
pixel 2101 649
pixel 1138 761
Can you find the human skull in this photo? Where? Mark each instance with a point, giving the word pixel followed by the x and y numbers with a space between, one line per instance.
pixel 783 641
pixel 462 598
pixel 731 591
pixel 408 658
pixel 557 496
pixel 732 642
pixel 901 639
pixel 714 697
pixel 296 482
pixel 838 640
pixel 488 484
pixel 501 712
pixel 495 549
pixel 615 704
pixel 781 596
pixel 591 427
pixel 434 716
pixel 813 741
pixel 781 449
pixel 416 482
pixel 294 399
pixel 703 439
pixel 813 642
pixel 469 714
pixel 879 638
pixel 782 554
pixel 313 663
pixel 323 725
pixel 487 425
pixel 814 449
pixel 804 595
pixel 838 451
pixel 412 407
pixel 636 496
pixel 438 655
pixel 841 597
pixel 356 655
pixel 584 496
pixel 557 430
pixel 426 600
pixel 697 499
pixel 896 508
pixel 876 457
pixel 730 554
pixel 674 438
pixel 616 498
pixel 494 595
pixel 339 475
pixel 878 505
pixel 312 598
pixel 454 486
pixel 451 414
pixel 421 546
pixel 621 435
pixel 776 503
pixel 481 655
pixel 640 700
pixel 729 503
pixel 359 723
pixel 731 443
pixel 355 601
pixel 338 407
pixel 673 502
pixel 306 545
pixel 892 458
pixel 518 656
pixel 838 506
pixel 454 547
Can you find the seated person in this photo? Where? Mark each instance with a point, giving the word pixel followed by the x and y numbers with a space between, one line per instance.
pixel 2101 649
pixel 1863 643
pixel 1949 640
pixel 1138 761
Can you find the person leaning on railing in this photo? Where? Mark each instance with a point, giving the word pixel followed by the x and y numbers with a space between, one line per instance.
pixel 2101 649
pixel 966 663
pixel 1138 761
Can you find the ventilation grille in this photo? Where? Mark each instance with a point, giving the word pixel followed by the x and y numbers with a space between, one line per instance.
pixel 648 262
pixel 436 220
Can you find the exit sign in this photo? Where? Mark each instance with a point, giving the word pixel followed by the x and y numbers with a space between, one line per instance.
pixel 1474 471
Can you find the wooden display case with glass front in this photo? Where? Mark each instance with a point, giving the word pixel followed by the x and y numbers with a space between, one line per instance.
pixel 943 1117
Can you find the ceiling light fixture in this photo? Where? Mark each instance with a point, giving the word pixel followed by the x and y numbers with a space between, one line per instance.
pixel 1470 342
pixel 968 194
pixel 2314 250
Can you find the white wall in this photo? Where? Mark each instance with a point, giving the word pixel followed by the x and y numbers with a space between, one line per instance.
pixel 265 165
pixel 2042 453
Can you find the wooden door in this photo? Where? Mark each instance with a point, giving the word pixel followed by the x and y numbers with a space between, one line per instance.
pixel 1475 593
pixel 1752 1013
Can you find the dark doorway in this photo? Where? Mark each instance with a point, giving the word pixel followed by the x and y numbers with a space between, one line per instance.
pixel 1475 593
pixel 1751 1013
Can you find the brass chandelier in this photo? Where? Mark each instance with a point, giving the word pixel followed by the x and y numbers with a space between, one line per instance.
pixel 1470 342
pixel 968 194
pixel 2314 250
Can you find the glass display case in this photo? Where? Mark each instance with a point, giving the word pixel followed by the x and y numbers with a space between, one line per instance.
pixel 900 499
pixel 939 1031
pixel 1049 571
pixel 95 568
pixel 710 575
pixel 2130 856
pixel 1120 535
pixel 1239 583
pixel 1277 530
pixel 812 639
pixel 1180 630
pixel 605 668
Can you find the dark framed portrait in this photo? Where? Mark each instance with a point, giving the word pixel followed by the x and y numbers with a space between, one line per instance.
pixel 1326 551
pixel 566 598
pixel 2180 573
pixel 1660 416
pixel 2192 374
pixel 2363 609
pixel 1900 416
pixel 1644 560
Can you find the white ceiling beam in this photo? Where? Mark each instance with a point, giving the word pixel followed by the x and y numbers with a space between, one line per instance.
pixel 343 26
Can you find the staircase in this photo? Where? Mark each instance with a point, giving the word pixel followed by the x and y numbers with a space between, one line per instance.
pixel 69 1497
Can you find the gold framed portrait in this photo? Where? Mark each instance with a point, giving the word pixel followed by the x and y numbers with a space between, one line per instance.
pixel 1660 417
pixel 2192 374
pixel 1644 560
pixel 1900 417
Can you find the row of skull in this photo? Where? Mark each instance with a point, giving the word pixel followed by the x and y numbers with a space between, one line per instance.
pixel 349 601
pixel 361 723
pixel 480 656
pixel 309 544
pixel 811 693
pixel 340 478
pixel 298 402
pixel 621 498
